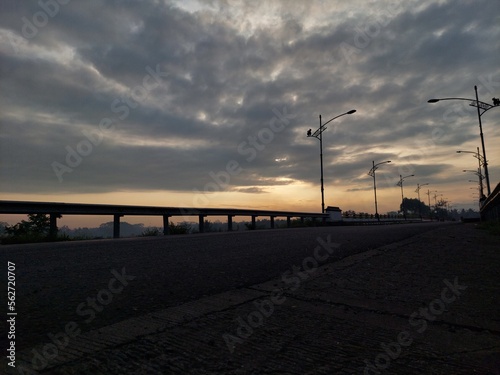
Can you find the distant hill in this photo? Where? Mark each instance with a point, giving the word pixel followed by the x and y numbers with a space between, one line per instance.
pixel 105 230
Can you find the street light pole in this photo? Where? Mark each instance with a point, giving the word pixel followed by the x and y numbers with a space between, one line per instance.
pixel 418 192
pixel 400 183
pixel 481 177
pixel 429 197
pixel 321 166
pixel 480 106
pixel 480 159
pixel 372 173
pixel 318 134
pixel 482 144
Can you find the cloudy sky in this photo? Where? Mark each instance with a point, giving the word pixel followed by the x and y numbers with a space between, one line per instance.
pixel 207 103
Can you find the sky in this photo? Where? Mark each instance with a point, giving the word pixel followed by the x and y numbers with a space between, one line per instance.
pixel 207 103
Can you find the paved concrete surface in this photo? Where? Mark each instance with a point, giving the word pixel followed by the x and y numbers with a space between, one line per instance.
pixel 425 305
pixel 55 280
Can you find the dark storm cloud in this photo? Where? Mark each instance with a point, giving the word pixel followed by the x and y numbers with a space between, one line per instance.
pixel 223 87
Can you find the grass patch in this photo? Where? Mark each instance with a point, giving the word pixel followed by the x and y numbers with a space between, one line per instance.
pixel 151 232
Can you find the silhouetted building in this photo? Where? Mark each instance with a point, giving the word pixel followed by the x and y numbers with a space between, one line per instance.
pixel 335 214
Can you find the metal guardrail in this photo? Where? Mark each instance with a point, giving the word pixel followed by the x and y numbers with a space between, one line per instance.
pixel 347 222
pixel 490 210
pixel 55 210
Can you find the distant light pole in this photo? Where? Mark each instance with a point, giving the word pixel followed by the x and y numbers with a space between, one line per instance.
pixel 481 177
pixel 446 205
pixel 480 106
pixel 480 159
pixel 436 205
pixel 372 173
pixel 318 134
pixel 429 197
pixel 400 183
pixel 480 189
pixel 418 192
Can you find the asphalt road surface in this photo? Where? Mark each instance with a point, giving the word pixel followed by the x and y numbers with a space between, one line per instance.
pixel 101 282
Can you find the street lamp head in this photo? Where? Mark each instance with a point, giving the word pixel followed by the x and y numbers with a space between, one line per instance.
pixel 432 100
pixel 351 111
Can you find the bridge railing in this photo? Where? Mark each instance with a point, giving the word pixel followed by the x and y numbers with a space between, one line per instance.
pixel 55 210
pixel 490 210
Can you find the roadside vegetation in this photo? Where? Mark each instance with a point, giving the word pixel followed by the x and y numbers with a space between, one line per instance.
pixel 35 229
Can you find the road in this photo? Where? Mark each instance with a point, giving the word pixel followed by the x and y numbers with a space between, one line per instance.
pixel 101 282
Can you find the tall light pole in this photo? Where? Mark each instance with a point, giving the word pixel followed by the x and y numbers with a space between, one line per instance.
pixel 436 205
pixel 400 183
pixel 429 196
pixel 418 192
pixel 372 173
pixel 318 134
pixel 481 106
pixel 480 159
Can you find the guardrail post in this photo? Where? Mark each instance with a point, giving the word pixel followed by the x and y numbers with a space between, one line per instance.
pixel 116 226
pixel 288 221
pixel 201 223
pixel 229 223
pixel 166 228
pixel 272 222
pixel 53 225
pixel 253 221
pixel 302 220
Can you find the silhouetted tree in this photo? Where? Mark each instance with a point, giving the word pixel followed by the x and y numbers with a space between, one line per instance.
pixel 181 228
pixel 414 206
pixel 3 225
pixel 35 229
pixel 349 213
